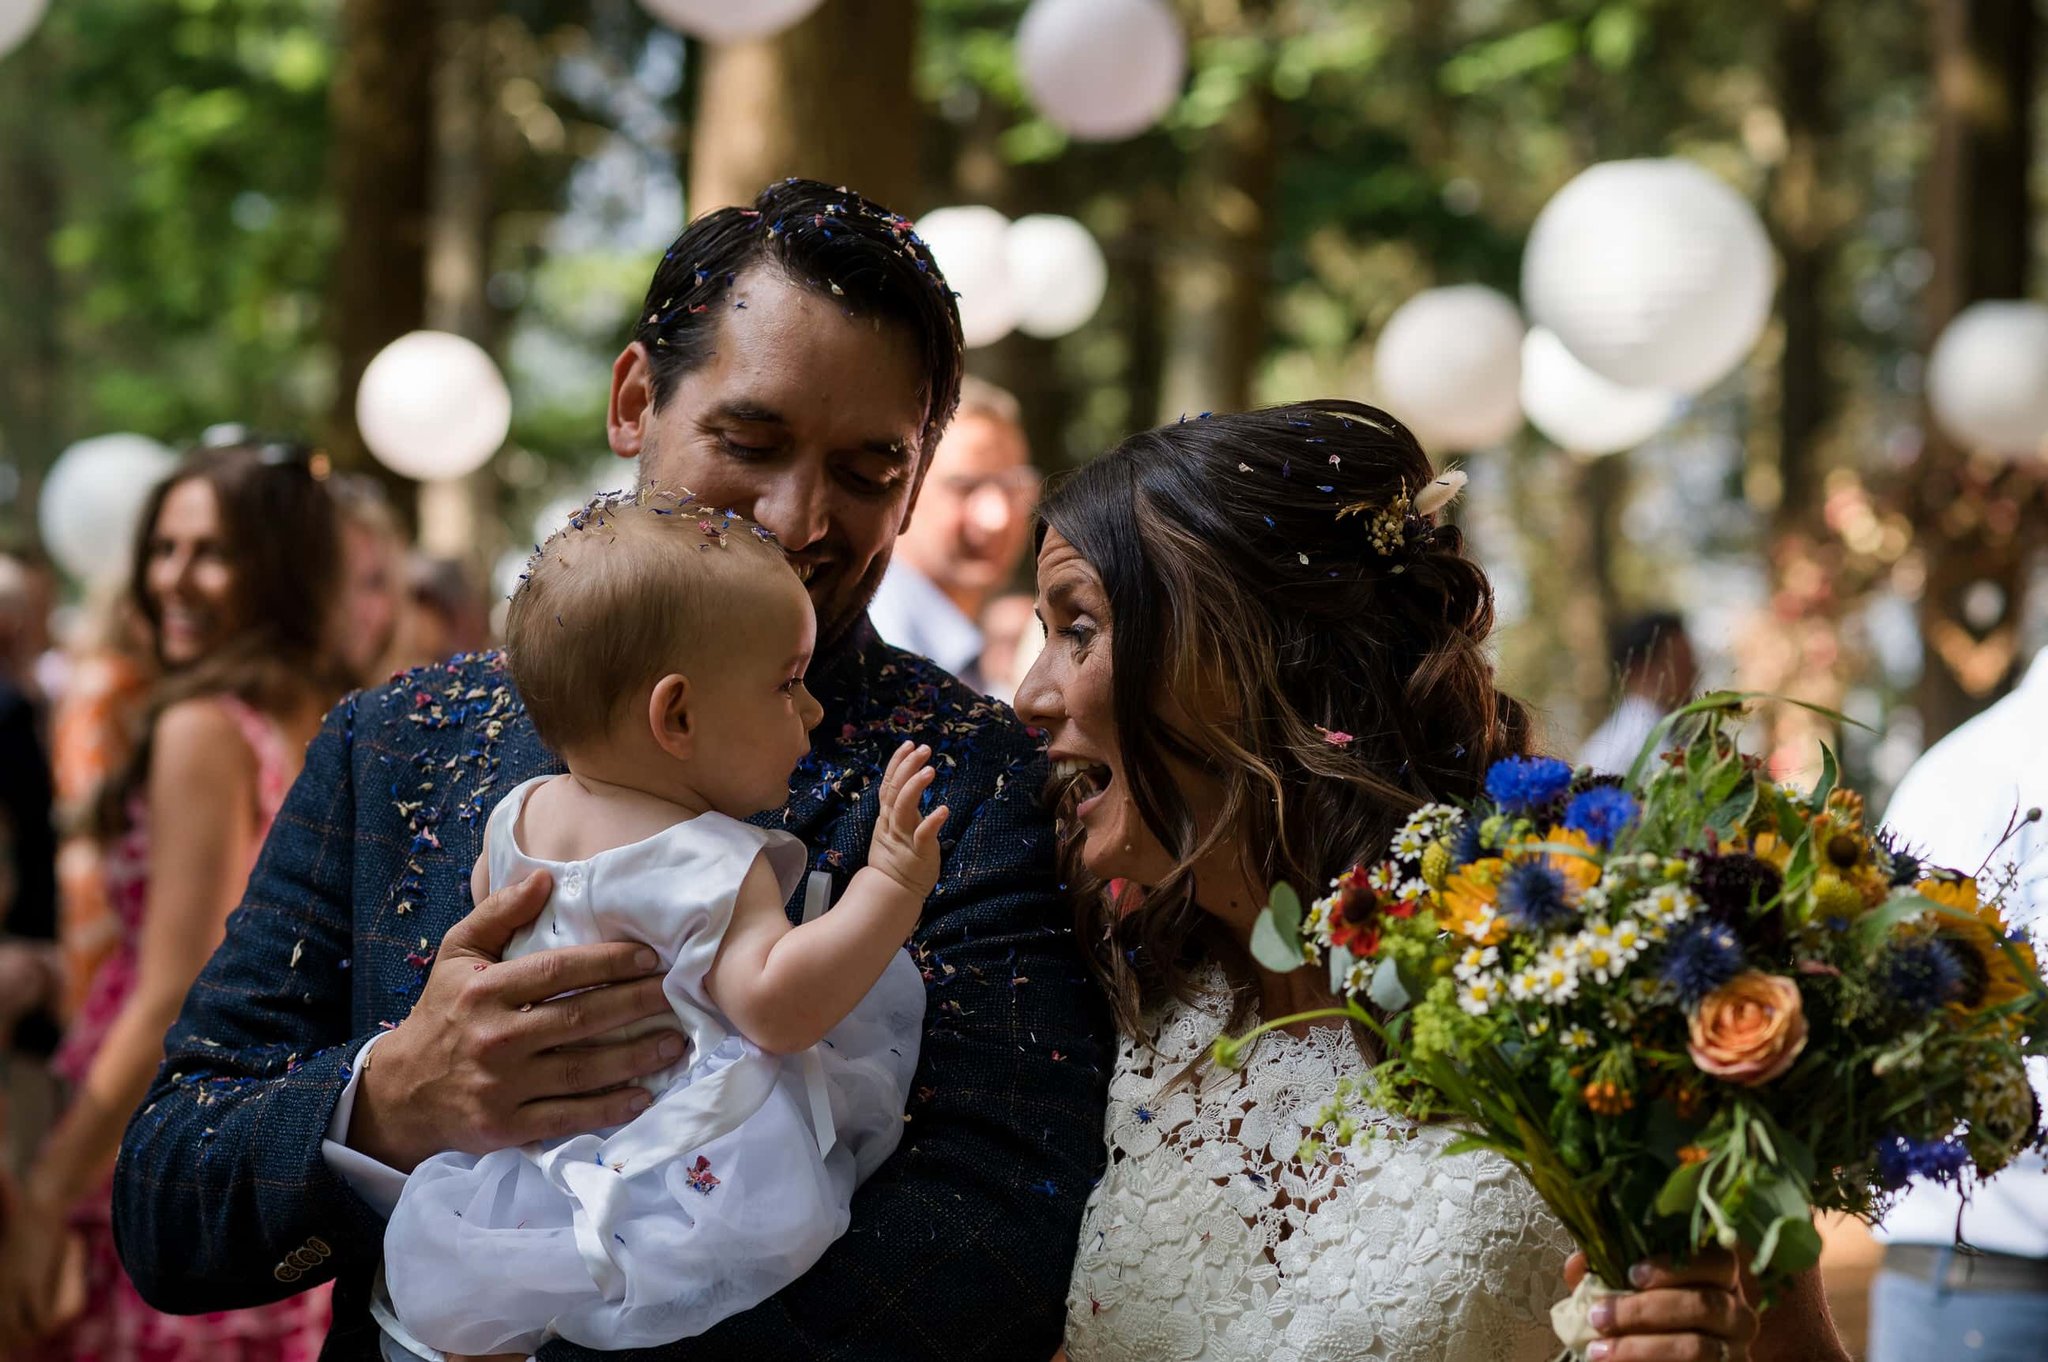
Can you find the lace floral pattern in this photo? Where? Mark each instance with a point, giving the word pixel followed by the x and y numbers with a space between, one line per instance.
pixel 1207 1241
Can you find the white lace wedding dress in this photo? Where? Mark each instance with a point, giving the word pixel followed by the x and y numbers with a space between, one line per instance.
pixel 1208 1241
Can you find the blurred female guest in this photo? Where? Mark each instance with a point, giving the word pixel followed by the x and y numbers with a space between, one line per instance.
pixel 236 572
pixel 374 596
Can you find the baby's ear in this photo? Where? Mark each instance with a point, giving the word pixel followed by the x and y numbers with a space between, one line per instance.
pixel 668 716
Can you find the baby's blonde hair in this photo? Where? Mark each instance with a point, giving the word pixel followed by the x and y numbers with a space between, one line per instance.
pixel 622 596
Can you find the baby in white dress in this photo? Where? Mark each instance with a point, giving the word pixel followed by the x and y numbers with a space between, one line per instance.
pixel 661 651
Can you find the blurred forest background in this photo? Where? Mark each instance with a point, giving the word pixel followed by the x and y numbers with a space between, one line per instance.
pixel 219 210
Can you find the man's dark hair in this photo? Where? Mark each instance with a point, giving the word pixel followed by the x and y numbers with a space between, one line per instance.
pixel 863 257
pixel 1638 637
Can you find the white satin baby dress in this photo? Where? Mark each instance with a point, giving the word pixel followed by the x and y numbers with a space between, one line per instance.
pixel 717 1196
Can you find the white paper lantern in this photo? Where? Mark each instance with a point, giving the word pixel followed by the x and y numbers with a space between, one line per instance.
pixel 92 498
pixel 1103 70
pixel 972 247
pixel 1449 364
pixel 1057 274
pixel 1654 273
pixel 1987 379
pixel 729 21
pixel 433 405
pixel 18 19
pixel 1584 411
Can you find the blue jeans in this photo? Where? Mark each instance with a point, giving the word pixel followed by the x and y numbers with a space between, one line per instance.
pixel 1916 1321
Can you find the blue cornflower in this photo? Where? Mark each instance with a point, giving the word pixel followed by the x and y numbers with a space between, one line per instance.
pixel 1922 975
pixel 1524 784
pixel 1534 897
pixel 1901 1159
pixel 1601 813
pixel 1466 844
pixel 1700 959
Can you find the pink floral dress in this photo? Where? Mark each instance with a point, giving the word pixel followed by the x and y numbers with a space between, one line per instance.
pixel 117 1325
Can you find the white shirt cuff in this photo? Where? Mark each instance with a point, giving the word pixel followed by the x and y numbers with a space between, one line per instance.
pixel 377 1184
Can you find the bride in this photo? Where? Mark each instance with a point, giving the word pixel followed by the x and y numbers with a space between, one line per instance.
pixel 1260 660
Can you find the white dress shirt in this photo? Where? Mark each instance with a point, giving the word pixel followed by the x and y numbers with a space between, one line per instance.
pixel 912 613
pixel 1614 744
pixel 1952 808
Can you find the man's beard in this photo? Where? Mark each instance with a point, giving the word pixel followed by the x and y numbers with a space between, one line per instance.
pixel 846 613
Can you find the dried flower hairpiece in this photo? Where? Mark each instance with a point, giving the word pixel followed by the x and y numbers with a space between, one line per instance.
pixel 1389 528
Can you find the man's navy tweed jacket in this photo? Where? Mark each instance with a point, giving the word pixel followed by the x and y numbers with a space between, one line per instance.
pixel 960 1245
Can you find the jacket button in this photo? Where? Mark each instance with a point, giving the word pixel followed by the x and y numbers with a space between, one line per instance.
pixel 318 1247
pixel 285 1272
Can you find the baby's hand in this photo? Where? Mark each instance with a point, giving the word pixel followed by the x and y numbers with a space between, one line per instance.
pixel 906 843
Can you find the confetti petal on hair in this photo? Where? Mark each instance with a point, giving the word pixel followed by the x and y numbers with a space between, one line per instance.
pixel 1335 737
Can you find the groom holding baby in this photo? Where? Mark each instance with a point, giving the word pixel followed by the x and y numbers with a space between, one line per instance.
pixel 795 362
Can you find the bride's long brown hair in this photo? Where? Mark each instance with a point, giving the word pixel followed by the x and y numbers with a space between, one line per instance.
pixel 1240 559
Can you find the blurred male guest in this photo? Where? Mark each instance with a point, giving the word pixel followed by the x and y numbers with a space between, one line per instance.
pixel 1987 1302
pixel 972 524
pixel 1654 659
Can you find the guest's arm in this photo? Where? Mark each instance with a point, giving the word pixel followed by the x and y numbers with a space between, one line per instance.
pixel 962 1243
pixel 202 811
pixel 220 1179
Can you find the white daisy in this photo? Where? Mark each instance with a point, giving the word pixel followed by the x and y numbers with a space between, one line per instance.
pixel 1478 994
pixel 1384 877
pixel 1576 1038
pixel 1476 960
pixel 1597 954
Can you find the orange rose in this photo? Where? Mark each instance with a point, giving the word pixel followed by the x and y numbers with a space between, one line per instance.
pixel 1750 1029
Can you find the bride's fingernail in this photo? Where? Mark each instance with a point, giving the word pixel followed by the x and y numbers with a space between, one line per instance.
pixel 1599 1350
pixel 1641 1273
pixel 1601 1316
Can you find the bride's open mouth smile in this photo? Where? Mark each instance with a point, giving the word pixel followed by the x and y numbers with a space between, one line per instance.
pixel 1079 783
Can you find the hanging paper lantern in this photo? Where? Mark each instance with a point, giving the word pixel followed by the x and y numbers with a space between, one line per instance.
pixel 1987 379
pixel 1057 274
pixel 1103 70
pixel 1449 364
pixel 92 498
pixel 18 19
pixel 729 21
pixel 971 246
pixel 1581 410
pixel 433 405
pixel 1653 272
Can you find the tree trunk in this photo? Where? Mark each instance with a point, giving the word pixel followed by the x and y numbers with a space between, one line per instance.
pixel 1978 220
pixel 456 515
pixel 32 426
pixel 829 99
pixel 1803 231
pixel 1223 287
pixel 383 116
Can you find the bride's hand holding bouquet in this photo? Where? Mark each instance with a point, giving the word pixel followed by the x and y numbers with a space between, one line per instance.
pixel 1692 1006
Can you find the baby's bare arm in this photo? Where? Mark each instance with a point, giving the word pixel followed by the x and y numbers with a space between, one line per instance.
pixel 785 986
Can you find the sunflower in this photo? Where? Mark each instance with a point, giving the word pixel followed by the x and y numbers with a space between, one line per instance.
pixel 1579 866
pixel 2001 966
pixel 1466 905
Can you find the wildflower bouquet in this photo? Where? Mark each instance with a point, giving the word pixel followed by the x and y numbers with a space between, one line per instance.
pixel 1692 1006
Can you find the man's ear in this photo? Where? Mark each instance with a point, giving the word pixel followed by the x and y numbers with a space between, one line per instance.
pixel 924 466
pixel 668 716
pixel 631 411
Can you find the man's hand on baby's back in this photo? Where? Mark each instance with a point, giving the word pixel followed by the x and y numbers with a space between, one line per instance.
pixel 499 1053
pixel 905 846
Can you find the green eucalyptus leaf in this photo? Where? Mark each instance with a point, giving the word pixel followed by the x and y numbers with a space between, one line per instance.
pixel 1386 989
pixel 1341 961
pixel 1285 906
pixel 1276 948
